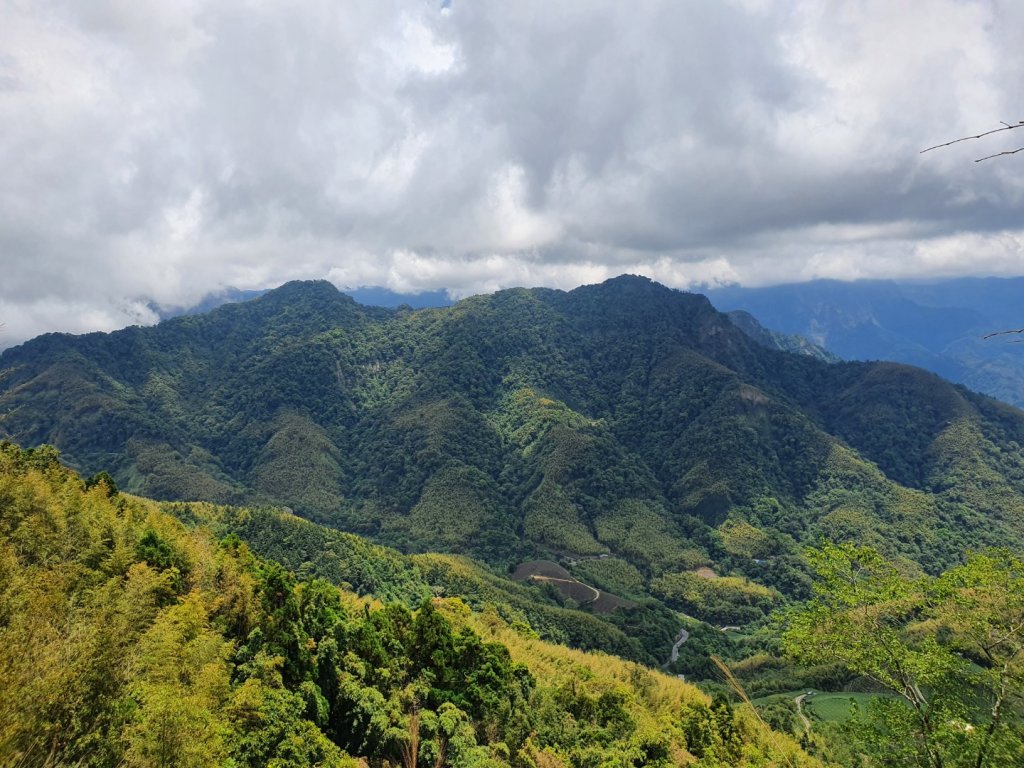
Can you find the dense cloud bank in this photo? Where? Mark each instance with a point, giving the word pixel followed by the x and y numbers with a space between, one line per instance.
pixel 154 152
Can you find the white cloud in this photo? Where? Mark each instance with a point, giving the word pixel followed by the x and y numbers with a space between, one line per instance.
pixel 159 151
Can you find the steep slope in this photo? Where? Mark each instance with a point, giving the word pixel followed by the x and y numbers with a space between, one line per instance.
pixel 766 337
pixel 622 418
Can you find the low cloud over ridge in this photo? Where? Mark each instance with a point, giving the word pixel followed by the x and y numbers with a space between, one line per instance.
pixel 153 153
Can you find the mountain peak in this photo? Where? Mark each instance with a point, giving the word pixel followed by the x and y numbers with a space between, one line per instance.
pixel 628 283
pixel 638 294
pixel 306 288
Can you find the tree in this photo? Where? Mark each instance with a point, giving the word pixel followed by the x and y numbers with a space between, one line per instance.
pixel 983 606
pixel 949 648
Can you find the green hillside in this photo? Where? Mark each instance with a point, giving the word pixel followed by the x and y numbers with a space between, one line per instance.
pixel 624 418
pixel 643 634
pixel 129 639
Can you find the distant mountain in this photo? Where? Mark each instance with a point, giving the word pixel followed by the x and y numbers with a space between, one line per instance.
pixel 209 302
pixel 375 296
pixel 938 326
pixel 783 342
pixel 622 418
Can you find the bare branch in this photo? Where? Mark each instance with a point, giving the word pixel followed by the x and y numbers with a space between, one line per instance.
pixel 1000 154
pixel 1002 333
pixel 1006 127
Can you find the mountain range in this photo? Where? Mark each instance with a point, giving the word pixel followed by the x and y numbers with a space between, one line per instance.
pixel 624 418
pixel 942 326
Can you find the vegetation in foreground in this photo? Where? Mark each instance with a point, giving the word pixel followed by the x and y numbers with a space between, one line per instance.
pixel 128 639
pixel 847 711
pixel 949 648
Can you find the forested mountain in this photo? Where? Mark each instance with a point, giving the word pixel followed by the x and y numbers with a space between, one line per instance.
pixel 939 326
pixel 622 418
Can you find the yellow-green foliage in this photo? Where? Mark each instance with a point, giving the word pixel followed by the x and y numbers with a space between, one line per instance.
pixel 165 472
pixel 518 603
pixel 741 538
pixel 300 466
pixel 567 449
pixel 856 502
pixel 727 599
pixel 948 649
pixel 965 469
pixel 638 529
pixel 664 714
pixel 452 509
pixel 526 417
pixel 106 658
pixel 437 421
pixel 127 639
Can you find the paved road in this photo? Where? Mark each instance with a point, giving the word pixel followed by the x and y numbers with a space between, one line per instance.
pixel 681 638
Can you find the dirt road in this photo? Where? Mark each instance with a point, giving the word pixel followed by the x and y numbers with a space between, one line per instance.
pixel 573 582
pixel 799 701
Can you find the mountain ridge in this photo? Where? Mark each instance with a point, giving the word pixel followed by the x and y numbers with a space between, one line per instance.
pixel 624 417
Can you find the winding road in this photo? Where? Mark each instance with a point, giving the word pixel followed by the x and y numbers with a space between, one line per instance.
pixel 597 592
pixel 681 638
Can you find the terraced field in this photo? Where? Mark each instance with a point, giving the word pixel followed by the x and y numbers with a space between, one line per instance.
pixel 837 707
pixel 549 572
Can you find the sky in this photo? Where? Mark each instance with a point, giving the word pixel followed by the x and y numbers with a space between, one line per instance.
pixel 153 152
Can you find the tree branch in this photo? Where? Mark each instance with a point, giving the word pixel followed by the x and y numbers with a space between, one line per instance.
pixel 1002 333
pixel 1006 127
pixel 1000 154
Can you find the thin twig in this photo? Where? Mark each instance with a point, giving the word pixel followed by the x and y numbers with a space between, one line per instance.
pixel 1002 333
pixel 1006 127
pixel 1000 154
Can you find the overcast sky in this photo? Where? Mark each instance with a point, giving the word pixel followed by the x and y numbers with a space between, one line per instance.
pixel 152 152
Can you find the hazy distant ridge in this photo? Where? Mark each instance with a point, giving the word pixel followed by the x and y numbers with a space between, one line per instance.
pixel 938 326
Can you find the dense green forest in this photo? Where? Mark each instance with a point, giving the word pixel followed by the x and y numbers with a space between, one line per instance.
pixel 623 418
pixel 130 639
